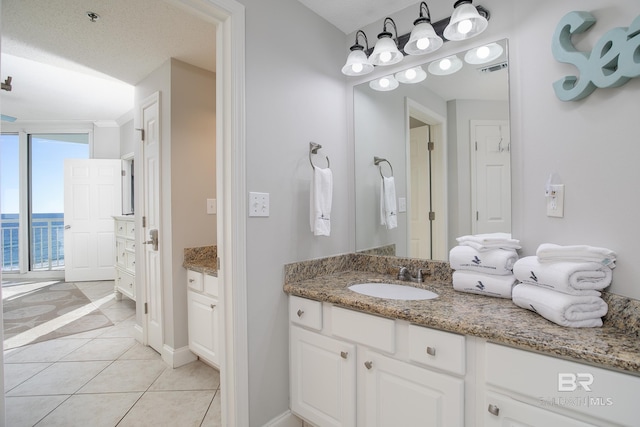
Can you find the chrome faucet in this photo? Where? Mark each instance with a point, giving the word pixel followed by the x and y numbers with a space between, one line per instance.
pixel 404 274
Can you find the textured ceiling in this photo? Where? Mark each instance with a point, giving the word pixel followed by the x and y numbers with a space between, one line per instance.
pixel 130 40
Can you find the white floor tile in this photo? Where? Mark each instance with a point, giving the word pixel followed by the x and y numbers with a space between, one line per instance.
pixel 101 349
pixel 214 413
pixel 194 376
pixel 60 378
pixel 47 351
pixel 17 373
pixel 140 352
pixel 26 411
pixel 95 410
pixel 169 408
pixel 126 376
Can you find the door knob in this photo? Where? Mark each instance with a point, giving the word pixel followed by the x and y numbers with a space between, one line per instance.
pixel 153 239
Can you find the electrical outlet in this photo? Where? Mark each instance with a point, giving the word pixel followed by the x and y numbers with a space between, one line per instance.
pixel 258 204
pixel 555 201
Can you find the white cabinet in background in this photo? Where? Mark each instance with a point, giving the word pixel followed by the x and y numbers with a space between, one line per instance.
pixel 125 257
pixel 350 368
pixel 203 316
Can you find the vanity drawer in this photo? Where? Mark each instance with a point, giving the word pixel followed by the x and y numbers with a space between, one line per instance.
pixel 131 229
pixel 121 228
pixel 305 312
pixel 438 349
pixel 130 245
pixel 373 331
pixel 195 280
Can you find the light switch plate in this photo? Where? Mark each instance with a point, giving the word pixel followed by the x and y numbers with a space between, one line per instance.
pixel 211 206
pixel 555 201
pixel 402 204
pixel 258 204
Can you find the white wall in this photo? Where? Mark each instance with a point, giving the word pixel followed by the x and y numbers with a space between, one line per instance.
pixel 106 141
pixel 295 94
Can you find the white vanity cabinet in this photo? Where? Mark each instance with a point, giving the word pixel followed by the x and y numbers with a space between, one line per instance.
pixel 203 316
pixel 526 388
pixel 349 368
pixel 125 257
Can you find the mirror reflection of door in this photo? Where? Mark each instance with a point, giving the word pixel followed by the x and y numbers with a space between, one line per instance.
pixel 491 176
pixel 427 157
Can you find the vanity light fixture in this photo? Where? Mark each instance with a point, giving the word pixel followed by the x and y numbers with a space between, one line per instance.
pixel 445 66
pixel 465 22
pixel 423 37
pixel 386 50
pixel 483 54
pixel 412 75
pixel 357 62
pixel 384 84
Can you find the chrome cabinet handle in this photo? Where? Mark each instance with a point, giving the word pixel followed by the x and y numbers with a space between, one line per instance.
pixel 431 351
pixel 300 313
pixel 344 354
pixel 493 409
pixel 213 306
pixel 192 280
pixel 368 364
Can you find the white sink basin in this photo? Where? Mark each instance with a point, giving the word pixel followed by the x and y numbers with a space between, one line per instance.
pixel 392 291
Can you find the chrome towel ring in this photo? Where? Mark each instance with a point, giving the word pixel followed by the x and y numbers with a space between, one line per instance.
pixel 377 161
pixel 313 149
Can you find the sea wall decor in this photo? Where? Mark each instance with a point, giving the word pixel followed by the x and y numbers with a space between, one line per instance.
pixel 613 61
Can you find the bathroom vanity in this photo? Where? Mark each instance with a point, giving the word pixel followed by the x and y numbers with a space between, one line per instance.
pixel 203 305
pixel 125 257
pixel 456 360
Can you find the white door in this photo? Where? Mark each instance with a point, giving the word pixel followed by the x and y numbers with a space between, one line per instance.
pixel 420 236
pixel 149 112
pixel 491 176
pixel 92 195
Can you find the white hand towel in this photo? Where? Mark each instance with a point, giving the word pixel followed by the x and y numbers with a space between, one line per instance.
pixel 388 209
pixel 483 284
pixel 320 201
pixel 488 241
pixel 496 261
pixel 548 252
pixel 577 311
pixel 575 278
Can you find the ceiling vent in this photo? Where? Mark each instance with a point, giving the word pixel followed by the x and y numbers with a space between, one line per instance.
pixel 494 67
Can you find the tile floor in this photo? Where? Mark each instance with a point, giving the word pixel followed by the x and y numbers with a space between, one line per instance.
pixel 105 378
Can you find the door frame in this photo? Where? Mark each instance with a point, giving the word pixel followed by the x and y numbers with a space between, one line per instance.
pixel 229 17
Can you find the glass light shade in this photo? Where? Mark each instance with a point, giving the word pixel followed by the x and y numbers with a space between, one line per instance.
pixel 445 66
pixel 384 84
pixel 483 54
pixel 412 75
pixel 386 52
pixel 357 64
pixel 423 40
pixel 465 22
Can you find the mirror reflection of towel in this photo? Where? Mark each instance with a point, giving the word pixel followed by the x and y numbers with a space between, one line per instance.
pixel 320 201
pixel 388 209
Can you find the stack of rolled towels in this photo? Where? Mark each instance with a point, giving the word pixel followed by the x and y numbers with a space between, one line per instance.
pixel 483 264
pixel 563 283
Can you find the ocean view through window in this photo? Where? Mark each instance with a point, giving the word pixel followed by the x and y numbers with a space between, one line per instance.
pixel 41 247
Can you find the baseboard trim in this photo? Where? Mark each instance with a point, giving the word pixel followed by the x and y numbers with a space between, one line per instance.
pixel 138 333
pixel 286 419
pixel 177 357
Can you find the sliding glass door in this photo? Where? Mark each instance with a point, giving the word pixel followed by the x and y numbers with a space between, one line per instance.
pixel 39 242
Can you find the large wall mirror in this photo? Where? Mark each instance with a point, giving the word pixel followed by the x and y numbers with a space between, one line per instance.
pixel 461 186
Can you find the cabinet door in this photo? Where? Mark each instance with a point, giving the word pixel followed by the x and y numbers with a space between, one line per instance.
pixel 502 411
pixel 203 326
pixel 323 378
pixel 394 393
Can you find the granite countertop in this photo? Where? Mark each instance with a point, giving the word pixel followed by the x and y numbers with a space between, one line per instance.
pixel 203 259
pixel 496 319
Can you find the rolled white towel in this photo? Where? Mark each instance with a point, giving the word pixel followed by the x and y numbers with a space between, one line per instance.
pixel 483 284
pixel 577 311
pixel 488 241
pixel 574 278
pixel 548 252
pixel 495 261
